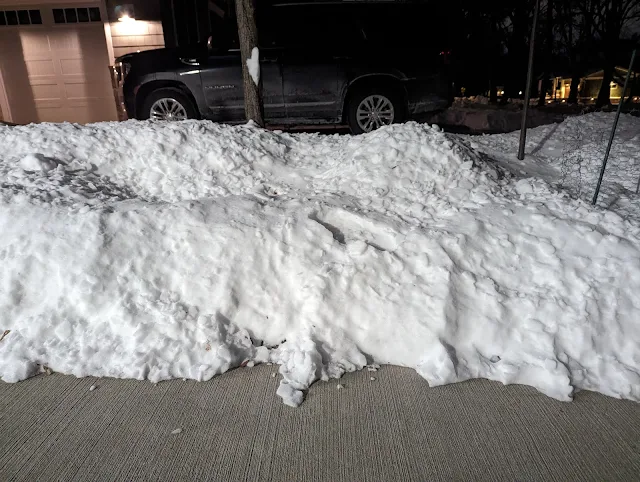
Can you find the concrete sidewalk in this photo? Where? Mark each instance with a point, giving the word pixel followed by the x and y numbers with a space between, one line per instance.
pixel 234 427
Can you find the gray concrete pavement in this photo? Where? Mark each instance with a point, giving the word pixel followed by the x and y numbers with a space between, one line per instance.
pixel 234 427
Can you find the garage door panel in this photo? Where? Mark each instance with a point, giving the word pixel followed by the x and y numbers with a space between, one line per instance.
pixel 71 66
pixel 84 90
pixel 84 104
pixel 63 75
pixel 81 114
pixel 64 38
pixel 34 43
pixel 43 104
pixel 46 91
pixel 40 67
pixel 57 114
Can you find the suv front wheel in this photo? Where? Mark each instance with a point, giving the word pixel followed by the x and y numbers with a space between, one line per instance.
pixel 168 105
pixel 369 109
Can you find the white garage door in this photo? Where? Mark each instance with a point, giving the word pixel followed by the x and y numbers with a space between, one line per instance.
pixel 54 64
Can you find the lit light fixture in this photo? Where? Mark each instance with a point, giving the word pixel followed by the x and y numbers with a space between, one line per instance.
pixel 520 93
pixel 125 13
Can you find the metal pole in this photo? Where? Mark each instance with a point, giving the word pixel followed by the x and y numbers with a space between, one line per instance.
pixel 613 130
pixel 527 89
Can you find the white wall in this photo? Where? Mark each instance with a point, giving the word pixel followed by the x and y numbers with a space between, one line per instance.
pixel 134 36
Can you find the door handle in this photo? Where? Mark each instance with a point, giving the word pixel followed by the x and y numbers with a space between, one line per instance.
pixel 190 61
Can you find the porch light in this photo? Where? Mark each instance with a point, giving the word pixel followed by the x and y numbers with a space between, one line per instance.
pixel 125 13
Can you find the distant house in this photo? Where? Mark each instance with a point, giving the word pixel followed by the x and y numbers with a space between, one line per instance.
pixel 590 84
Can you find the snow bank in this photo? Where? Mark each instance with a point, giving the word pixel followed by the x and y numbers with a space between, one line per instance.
pixel 476 117
pixel 173 250
pixel 570 155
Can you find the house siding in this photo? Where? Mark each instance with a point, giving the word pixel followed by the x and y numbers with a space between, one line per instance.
pixel 136 36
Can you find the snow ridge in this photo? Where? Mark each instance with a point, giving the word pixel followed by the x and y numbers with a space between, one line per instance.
pixel 181 250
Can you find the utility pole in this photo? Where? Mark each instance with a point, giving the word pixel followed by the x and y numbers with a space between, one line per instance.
pixel 613 132
pixel 248 36
pixel 527 90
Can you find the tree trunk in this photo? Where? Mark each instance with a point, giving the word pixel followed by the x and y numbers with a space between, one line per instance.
pixel 605 89
pixel 248 36
pixel 518 52
pixel 548 52
pixel 573 93
pixel 493 93
pixel 544 87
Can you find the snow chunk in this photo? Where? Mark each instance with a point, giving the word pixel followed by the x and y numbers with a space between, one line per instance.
pixel 38 162
pixel 290 395
pixel 253 64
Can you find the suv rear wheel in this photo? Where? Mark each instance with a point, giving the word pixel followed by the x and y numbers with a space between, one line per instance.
pixel 168 105
pixel 374 107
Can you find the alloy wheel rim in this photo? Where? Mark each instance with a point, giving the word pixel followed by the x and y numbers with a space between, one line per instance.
pixel 373 112
pixel 168 109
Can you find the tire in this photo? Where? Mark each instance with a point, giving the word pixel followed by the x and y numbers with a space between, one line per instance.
pixel 363 99
pixel 167 99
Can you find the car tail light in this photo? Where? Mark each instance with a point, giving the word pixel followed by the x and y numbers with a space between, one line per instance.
pixel 445 56
pixel 122 70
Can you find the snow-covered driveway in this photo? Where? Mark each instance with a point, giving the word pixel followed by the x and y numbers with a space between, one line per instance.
pixel 160 251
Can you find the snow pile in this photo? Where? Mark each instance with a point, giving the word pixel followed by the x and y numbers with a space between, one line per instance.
pixel 570 156
pixel 182 250
pixel 253 64
pixel 472 99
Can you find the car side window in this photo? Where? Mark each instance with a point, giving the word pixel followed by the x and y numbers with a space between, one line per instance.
pixel 315 27
pixel 224 33
pixel 404 26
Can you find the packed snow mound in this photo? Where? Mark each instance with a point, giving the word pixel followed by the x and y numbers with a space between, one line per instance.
pixel 173 250
pixel 194 160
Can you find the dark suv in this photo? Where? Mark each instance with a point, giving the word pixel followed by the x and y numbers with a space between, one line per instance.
pixel 364 65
